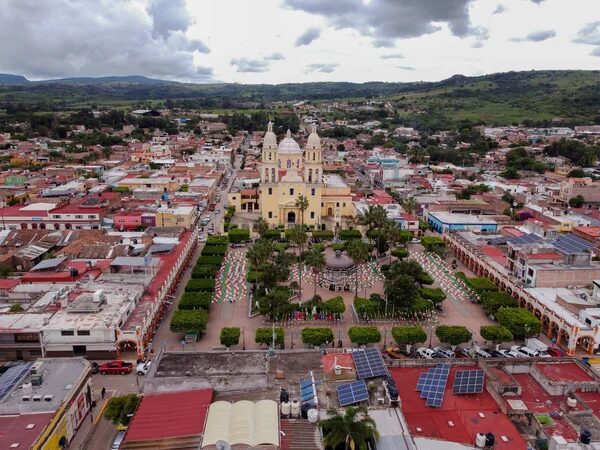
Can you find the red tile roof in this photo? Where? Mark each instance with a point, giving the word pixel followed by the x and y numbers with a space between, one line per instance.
pixel 169 415
pixel 14 429
pixel 543 255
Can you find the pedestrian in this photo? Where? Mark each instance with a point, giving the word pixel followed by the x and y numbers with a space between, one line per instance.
pixel 103 392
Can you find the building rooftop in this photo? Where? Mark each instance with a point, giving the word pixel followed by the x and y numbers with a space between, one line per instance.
pixel 460 219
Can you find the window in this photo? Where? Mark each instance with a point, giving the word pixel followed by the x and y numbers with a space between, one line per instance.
pixel 91 216
pixel 344 204
pixel 291 191
pixel 289 164
pixel 269 156
pixel 56 216
pixel 83 332
pixel 312 214
pixel 273 175
pixel 78 216
pixel 314 155
pixel 270 191
pixel 297 163
pixel 313 191
pixel 337 204
pixel 270 214
pixel 67 333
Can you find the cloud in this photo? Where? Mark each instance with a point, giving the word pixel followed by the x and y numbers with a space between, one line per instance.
pixel 324 68
pixel 405 67
pixel 499 9
pixel 275 57
pixel 477 44
pixel 392 56
pixel 388 20
pixel 536 36
pixel 308 36
pixel 589 34
pixel 538 1
pixel 250 65
pixel 595 52
pixel 205 73
pixel 98 38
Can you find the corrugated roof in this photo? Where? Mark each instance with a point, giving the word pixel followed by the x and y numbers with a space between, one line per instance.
pixel 49 263
pixel 133 261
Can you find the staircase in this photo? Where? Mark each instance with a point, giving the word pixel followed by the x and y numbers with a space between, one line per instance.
pixel 300 435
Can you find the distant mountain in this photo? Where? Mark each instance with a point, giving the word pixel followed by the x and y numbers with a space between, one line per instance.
pixel 136 79
pixel 7 78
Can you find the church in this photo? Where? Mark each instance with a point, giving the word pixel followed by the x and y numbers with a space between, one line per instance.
pixel 287 172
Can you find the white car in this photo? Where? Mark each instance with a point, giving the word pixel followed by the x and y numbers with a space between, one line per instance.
pixel 444 352
pixel 509 353
pixel 201 238
pixel 144 368
pixel 425 353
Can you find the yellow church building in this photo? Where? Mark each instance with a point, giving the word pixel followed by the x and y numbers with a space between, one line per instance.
pixel 287 172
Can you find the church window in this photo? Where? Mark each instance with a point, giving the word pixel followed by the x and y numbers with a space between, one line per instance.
pixel 344 204
pixel 270 214
pixel 313 191
pixel 269 156
pixel 289 164
pixel 273 175
pixel 337 205
pixel 291 191
pixel 270 191
pixel 314 155
pixel 312 214
pixel 297 163
pixel 310 175
pixel 317 175
pixel 267 174
pixel 278 163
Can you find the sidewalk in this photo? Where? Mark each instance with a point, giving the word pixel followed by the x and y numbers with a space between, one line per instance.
pixel 95 432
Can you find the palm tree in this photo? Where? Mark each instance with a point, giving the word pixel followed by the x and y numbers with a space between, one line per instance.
pixel 302 205
pixel 354 429
pixel 393 234
pixel 359 252
pixel 315 259
pixel 409 205
pixel 297 235
pixel 259 252
pixel 261 226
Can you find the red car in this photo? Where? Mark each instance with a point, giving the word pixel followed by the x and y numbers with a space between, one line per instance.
pixel 118 367
pixel 555 351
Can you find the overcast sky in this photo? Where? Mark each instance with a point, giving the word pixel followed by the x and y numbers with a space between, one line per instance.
pixel 279 41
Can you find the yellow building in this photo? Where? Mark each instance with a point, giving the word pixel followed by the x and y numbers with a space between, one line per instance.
pixel 287 172
pixel 178 216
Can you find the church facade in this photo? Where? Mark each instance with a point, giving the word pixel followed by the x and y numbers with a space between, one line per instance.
pixel 288 172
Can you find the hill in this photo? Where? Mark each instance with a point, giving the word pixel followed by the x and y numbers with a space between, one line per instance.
pixel 561 97
pixel 7 78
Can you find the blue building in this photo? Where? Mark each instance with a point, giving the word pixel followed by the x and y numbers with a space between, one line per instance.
pixel 445 221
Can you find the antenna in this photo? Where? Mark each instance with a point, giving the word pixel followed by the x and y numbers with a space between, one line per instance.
pixel 222 445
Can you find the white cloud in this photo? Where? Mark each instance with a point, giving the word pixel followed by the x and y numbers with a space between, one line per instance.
pixel 308 37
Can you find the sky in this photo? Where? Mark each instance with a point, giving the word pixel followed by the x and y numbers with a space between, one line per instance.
pixel 284 41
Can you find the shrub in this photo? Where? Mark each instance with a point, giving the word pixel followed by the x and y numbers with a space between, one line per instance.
pixel 481 284
pixel 280 246
pixel 348 235
pixel 319 247
pixel 339 247
pixel 432 242
pixel 265 336
pixel 273 234
pixel 120 409
pixel 210 240
pixel 316 336
pixel 214 249
pixel 519 321
pixel 216 260
pixel 364 335
pixel 408 335
pixel 196 300
pixel 184 321
pixel 238 235
pixel 200 285
pixel 365 307
pixel 322 235
pixel 493 301
pixel 496 333
pixel 334 305
pixel 230 336
pixel 254 276
pixel 400 253
pixel 434 295
pixel 453 334
pixel 205 271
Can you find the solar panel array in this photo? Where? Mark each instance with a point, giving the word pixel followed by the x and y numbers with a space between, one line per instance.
pixel 432 384
pixel 526 239
pixel 11 377
pixel 468 382
pixel 572 244
pixel 351 393
pixel 369 363
pixel 307 391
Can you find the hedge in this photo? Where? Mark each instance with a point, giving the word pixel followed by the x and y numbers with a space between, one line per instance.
pixel 210 240
pixel 453 334
pixel 334 305
pixel 400 253
pixel 202 285
pixel 365 306
pixel 436 295
pixel 493 301
pixel 205 271
pixel 322 235
pixel 481 284
pixel 215 260
pixel 196 300
pixel 364 335
pixel 214 249
pixel 348 235
pixel 265 336
pixel 230 336
pixel 184 321
pixel 519 321
pixel 317 336
pixel 408 335
pixel 272 235
pixel 238 235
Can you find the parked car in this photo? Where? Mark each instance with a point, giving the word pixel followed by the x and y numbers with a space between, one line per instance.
pixel 509 353
pixel 465 353
pixel 143 368
pixel 444 352
pixel 555 351
pixel 425 353
pixel 481 353
pixel 95 367
pixel 118 440
pixel 118 367
pixel 201 238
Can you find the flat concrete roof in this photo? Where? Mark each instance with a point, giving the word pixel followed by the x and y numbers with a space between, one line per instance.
pixel 459 219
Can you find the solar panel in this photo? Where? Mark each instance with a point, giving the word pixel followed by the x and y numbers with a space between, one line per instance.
pixel 351 393
pixel 572 244
pixel 432 384
pixel 369 363
pixel 11 377
pixel 468 382
pixel 306 391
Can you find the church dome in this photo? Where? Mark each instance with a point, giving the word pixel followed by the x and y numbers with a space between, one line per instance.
pixel 314 141
pixel 288 144
pixel 270 140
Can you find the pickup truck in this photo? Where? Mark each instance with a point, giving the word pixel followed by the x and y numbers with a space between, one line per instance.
pixel 118 367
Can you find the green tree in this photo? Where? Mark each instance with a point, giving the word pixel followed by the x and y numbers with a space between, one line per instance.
pixel 358 251
pixel 364 335
pixel 275 304
pixel 298 236
pixel 352 430
pixel 259 252
pixel 519 321
pixel 409 205
pixel 408 335
pixel 189 321
pixel 317 336
pixel 302 204
pixel 16 308
pixel 577 173
pixel 401 291
pixel 315 259
pixel 261 226
pixel 510 173
pixel 496 334
pixel 119 410
pixel 577 202
pixel 265 336
pixel 230 336
pixel 453 334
